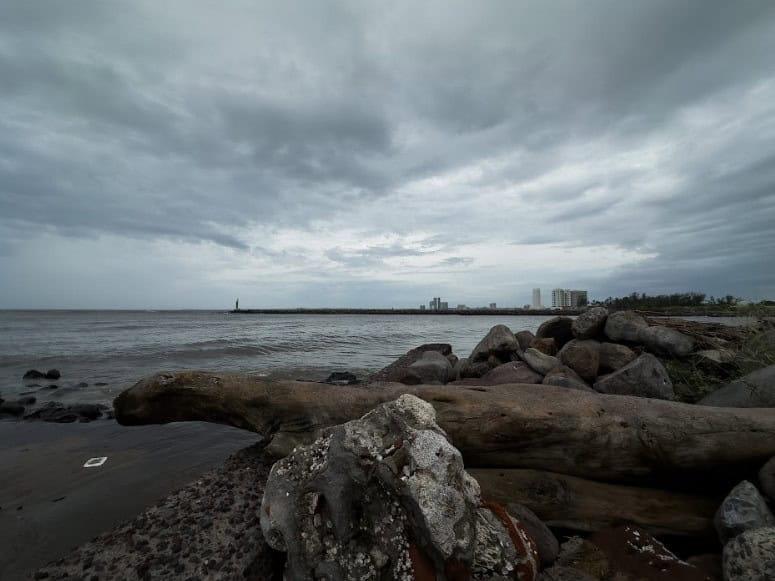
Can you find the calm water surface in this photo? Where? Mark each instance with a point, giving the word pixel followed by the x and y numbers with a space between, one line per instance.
pixel 119 347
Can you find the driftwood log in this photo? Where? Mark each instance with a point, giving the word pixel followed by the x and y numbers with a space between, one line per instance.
pixel 575 503
pixel 601 437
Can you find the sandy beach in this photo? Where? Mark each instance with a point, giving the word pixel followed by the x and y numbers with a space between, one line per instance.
pixel 50 504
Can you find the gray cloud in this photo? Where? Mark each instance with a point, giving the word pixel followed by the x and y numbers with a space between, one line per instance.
pixel 387 146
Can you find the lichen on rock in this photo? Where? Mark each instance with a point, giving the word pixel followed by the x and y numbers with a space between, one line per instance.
pixel 387 497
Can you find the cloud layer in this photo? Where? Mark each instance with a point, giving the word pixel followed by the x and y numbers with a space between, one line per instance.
pixel 179 154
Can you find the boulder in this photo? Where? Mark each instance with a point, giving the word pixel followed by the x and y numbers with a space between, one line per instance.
pixel 524 338
pixel 546 543
pixel 540 362
pixel 665 341
pixel 750 556
pixel 59 413
pixel 743 509
pixel 715 356
pixel 767 479
pixel 590 323
pixel 624 326
pixel 341 378
pixel 53 374
pixel 513 372
pixel 614 356
pixel 755 390
pixel 453 359
pixel 644 377
pixel 583 356
pixel 432 368
pixel 34 374
pixel 498 346
pixel 469 369
pixel 546 345
pixel 558 328
pixel 386 496
pixel 396 370
pixel 563 376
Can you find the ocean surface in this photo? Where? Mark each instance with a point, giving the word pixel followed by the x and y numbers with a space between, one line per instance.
pixel 117 348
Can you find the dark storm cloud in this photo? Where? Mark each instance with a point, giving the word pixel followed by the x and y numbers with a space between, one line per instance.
pixel 645 127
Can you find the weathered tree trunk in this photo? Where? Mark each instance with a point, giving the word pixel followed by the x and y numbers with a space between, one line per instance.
pixel 584 505
pixel 604 437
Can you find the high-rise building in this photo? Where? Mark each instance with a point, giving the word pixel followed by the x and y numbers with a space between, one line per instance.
pixel 565 298
pixel 493 306
pixel 443 305
pixel 537 299
pixel 436 304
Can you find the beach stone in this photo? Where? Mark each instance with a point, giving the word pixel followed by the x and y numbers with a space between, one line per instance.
pixel 583 556
pixel 755 390
pixel 624 326
pixel 750 556
pixel 341 378
pixel 354 503
pixel 431 368
pixel 498 346
pixel 34 374
pixel 644 377
pixel 546 345
pixel 583 356
pixel 53 374
pixel 563 376
pixel 715 356
pixel 524 338
pixel 453 359
pixel 546 543
pixel 512 372
pixel 743 509
pixel 590 323
pixel 665 341
pixel 767 479
pixel 395 371
pixel 538 361
pixel 558 328
pixel 614 356
pixel 60 413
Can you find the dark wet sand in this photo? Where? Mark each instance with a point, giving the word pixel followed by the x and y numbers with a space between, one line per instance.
pixel 49 503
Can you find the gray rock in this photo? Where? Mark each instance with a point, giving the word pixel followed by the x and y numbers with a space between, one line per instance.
pixel 453 359
pixel 744 509
pixel 590 323
pixel 755 390
pixel 34 374
pixel 644 377
pixel 750 556
pixel 614 356
pixel 432 368
pixel 666 341
pixel 558 328
pixel 512 372
pixel 395 371
pixel 624 326
pixel 582 356
pixel 468 369
pixel 715 356
pixel 563 376
pixel 342 378
pixel 498 346
pixel 352 505
pixel 11 409
pixel 540 362
pixel 544 345
pixel 767 479
pixel 524 338
pixel 53 374
pixel 546 542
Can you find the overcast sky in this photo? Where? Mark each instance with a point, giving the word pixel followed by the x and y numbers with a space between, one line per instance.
pixel 179 154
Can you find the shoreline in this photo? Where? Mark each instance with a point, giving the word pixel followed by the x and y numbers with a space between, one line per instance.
pixel 516 312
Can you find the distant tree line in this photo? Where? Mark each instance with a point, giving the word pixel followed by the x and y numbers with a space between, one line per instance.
pixel 690 299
